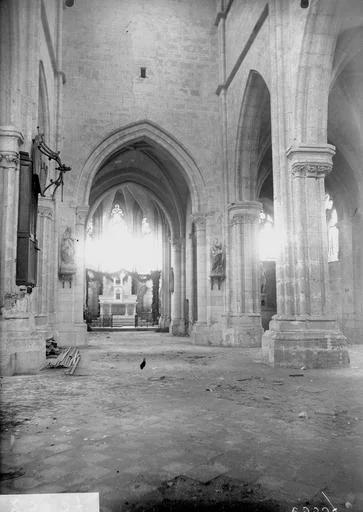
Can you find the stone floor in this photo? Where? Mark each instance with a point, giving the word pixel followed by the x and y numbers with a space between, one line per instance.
pixel 200 428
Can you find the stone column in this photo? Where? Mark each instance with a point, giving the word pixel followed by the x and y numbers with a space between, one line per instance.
pixel 199 332
pixel 202 278
pixel 80 278
pixel 243 321
pixel 342 279
pixel 357 230
pixel 164 321
pixel 177 325
pixel 308 336
pixel 71 293
pixel 10 139
pixel 45 282
pixel 21 349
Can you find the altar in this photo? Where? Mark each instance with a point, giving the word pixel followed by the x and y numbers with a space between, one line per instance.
pixel 118 301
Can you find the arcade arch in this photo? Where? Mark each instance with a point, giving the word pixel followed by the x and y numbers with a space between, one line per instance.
pixel 252 166
pixel 154 178
pixel 170 151
pixel 344 183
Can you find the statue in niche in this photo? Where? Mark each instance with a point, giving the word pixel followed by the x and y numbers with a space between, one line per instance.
pixel 217 259
pixel 67 247
pixel 67 257
pixel 218 263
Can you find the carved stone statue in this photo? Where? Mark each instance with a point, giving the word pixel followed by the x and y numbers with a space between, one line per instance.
pixel 67 257
pixel 217 263
pixel 67 247
pixel 217 259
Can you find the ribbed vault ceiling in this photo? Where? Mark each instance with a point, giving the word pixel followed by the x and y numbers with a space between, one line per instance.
pixel 143 179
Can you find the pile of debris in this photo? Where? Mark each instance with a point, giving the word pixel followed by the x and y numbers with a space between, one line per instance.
pixel 69 359
pixel 52 349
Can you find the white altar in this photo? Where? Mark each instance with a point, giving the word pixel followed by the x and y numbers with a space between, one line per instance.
pixel 117 300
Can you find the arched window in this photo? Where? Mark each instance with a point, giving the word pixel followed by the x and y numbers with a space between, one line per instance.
pixel 332 228
pixel 117 224
pixel 145 227
pixel 117 214
pixel 267 238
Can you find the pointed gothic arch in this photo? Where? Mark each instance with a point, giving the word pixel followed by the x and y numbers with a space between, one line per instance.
pixel 153 196
pixel 43 103
pixel 250 146
pixel 156 137
pixel 315 71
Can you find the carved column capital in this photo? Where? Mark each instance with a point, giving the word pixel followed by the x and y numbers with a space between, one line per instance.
pixel 244 218
pixel 310 170
pixel 45 212
pixel 9 159
pixel 200 221
pixel 81 215
pixel 10 139
pixel 46 207
pixel 310 160
pixel 244 212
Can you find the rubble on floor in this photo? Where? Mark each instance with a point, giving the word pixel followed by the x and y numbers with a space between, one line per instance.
pixel 68 358
pixel 156 440
pixel 52 348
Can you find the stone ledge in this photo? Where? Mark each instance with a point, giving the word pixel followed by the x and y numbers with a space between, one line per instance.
pixel 22 354
pixel 303 323
pixel 205 334
pixel 310 349
pixel 22 349
pixel 200 334
pixel 177 327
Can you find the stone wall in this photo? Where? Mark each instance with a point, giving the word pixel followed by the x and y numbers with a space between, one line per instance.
pixel 285 30
pixel 241 20
pixel 108 43
pixel 77 72
pixel 30 59
pixel 49 81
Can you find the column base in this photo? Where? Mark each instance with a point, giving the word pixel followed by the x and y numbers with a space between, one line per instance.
pixel 164 323
pixel 200 334
pixel 72 335
pixel 242 330
pixel 22 349
pixel 177 327
pixel 207 334
pixel 299 345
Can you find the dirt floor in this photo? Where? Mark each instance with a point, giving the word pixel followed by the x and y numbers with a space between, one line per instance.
pixel 199 428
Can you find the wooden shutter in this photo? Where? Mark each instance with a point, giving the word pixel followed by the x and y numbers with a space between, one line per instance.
pixel 27 244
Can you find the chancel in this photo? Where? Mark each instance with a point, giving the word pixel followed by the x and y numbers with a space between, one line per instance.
pixel 189 171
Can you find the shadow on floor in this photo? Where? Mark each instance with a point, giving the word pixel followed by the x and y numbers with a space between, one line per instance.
pixel 222 494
